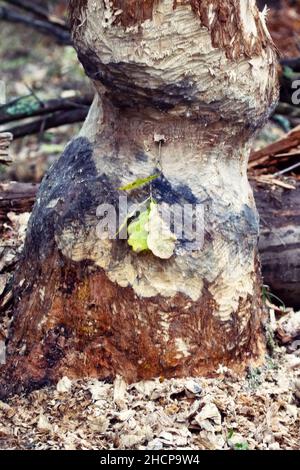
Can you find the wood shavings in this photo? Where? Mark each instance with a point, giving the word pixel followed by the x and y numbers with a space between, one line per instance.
pixel 64 385
pixel 289 327
pixel 228 413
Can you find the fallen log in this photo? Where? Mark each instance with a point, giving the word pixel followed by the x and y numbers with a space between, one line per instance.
pixel 16 197
pixel 279 244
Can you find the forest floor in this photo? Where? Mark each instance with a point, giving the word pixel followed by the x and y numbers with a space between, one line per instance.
pixel 258 411
pixel 255 412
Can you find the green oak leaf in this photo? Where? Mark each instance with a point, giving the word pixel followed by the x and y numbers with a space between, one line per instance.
pixel 138 232
pixel 149 232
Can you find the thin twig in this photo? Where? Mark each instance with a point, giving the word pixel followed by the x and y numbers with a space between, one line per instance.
pixel 286 170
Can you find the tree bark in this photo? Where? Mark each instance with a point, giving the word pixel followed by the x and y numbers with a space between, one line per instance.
pixel 182 87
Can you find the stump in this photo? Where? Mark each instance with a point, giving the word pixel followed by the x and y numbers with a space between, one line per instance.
pixel 182 86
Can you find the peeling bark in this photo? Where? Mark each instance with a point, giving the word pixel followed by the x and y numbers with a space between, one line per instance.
pixel 171 100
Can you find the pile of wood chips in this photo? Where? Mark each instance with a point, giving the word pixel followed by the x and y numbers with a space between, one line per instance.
pixel 260 411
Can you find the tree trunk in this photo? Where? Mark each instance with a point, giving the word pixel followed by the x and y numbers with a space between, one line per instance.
pixel 279 248
pixel 182 87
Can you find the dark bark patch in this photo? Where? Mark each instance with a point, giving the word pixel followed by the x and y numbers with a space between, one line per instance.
pixel 125 93
pixel 164 192
pixel 74 169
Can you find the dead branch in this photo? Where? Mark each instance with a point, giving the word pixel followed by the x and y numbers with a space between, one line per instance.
pixel 45 27
pixel 50 121
pixel 16 197
pixel 44 108
pixel 285 150
pixel 38 11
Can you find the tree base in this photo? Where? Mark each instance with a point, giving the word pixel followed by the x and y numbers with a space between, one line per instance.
pixel 95 328
pixel 71 318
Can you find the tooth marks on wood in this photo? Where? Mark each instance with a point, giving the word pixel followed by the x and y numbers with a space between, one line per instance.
pixel 236 26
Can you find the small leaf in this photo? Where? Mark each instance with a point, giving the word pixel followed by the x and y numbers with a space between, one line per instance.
pixel 138 183
pixel 241 446
pixel 288 72
pixel 138 232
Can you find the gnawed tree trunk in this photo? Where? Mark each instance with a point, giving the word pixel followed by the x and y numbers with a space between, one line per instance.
pixel 279 248
pixel 182 87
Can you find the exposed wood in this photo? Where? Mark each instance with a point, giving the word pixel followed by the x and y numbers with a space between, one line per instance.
pixel 279 241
